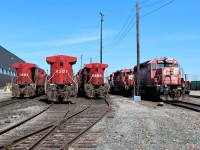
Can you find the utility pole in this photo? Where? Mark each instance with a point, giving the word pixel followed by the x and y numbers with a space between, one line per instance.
pixel 81 61
pixel 138 47
pixel 90 59
pixel 101 19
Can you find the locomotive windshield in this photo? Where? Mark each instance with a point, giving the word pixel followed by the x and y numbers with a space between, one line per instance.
pixel 161 65
pixel 129 73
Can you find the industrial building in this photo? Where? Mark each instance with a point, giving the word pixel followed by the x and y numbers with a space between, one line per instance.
pixel 7 72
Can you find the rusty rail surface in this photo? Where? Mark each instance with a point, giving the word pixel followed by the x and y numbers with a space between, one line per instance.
pixel 187 105
pixel 43 133
pixel 66 145
pixel 24 121
pixel 62 133
pixel 56 126
pixel 10 101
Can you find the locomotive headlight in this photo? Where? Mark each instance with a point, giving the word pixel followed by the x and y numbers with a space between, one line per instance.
pixel 183 85
pixel 165 85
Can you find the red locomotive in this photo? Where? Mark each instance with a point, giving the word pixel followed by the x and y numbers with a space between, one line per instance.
pixel 60 85
pixel 91 81
pixel 161 77
pixel 30 80
pixel 122 81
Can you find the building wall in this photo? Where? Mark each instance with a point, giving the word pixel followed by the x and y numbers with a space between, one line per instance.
pixel 7 72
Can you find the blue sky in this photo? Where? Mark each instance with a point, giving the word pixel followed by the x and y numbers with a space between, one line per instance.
pixel 35 29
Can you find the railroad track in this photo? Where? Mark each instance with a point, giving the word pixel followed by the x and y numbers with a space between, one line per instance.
pixel 63 132
pixel 24 121
pixel 41 120
pixel 187 105
pixel 10 101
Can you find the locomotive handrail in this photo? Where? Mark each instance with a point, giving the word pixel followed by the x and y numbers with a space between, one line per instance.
pixel 51 77
pixel 13 78
pixel 30 79
pixel 89 80
pixel 74 81
pixel 45 86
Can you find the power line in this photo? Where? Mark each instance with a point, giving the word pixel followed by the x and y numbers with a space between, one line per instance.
pixel 123 34
pixel 152 4
pixel 122 37
pixel 143 1
pixel 119 37
pixel 157 9
pixel 121 28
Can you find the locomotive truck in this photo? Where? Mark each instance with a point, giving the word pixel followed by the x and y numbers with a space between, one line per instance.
pixel 161 78
pixel 30 80
pixel 60 85
pixel 91 81
pixel 122 81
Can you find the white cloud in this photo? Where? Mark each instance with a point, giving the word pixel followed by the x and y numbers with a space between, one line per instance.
pixel 74 40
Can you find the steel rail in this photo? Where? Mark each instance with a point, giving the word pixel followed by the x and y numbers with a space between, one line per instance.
pixel 24 121
pixel 50 127
pixel 61 121
pixel 187 105
pixel 12 143
pixel 66 145
pixel 10 101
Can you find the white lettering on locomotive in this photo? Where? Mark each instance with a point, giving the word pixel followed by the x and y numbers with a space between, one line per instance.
pixel 166 71
pixel 176 70
pixel 130 77
pixel 23 74
pixel 96 75
pixel 61 71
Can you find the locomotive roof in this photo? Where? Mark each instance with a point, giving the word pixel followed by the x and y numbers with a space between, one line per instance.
pixel 123 70
pixel 165 59
pixel 96 65
pixel 20 64
pixel 144 64
pixel 70 59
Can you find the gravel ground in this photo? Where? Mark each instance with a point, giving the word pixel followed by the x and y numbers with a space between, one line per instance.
pixel 144 125
pixel 195 93
pixel 4 96
pixel 131 125
pixel 13 113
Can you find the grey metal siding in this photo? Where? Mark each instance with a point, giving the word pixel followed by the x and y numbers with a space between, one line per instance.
pixel 6 70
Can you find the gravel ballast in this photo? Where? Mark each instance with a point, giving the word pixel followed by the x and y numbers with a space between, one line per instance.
pixel 144 125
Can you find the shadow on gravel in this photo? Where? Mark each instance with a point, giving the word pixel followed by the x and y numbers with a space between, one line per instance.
pixel 45 100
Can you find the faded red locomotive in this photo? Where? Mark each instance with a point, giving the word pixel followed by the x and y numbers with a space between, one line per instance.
pixel 91 81
pixel 122 81
pixel 60 85
pixel 161 77
pixel 30 80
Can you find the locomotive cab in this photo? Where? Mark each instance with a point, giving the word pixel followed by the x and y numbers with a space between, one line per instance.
pixel 167 78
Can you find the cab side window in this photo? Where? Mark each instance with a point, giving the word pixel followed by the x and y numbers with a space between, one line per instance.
pixel 153 66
